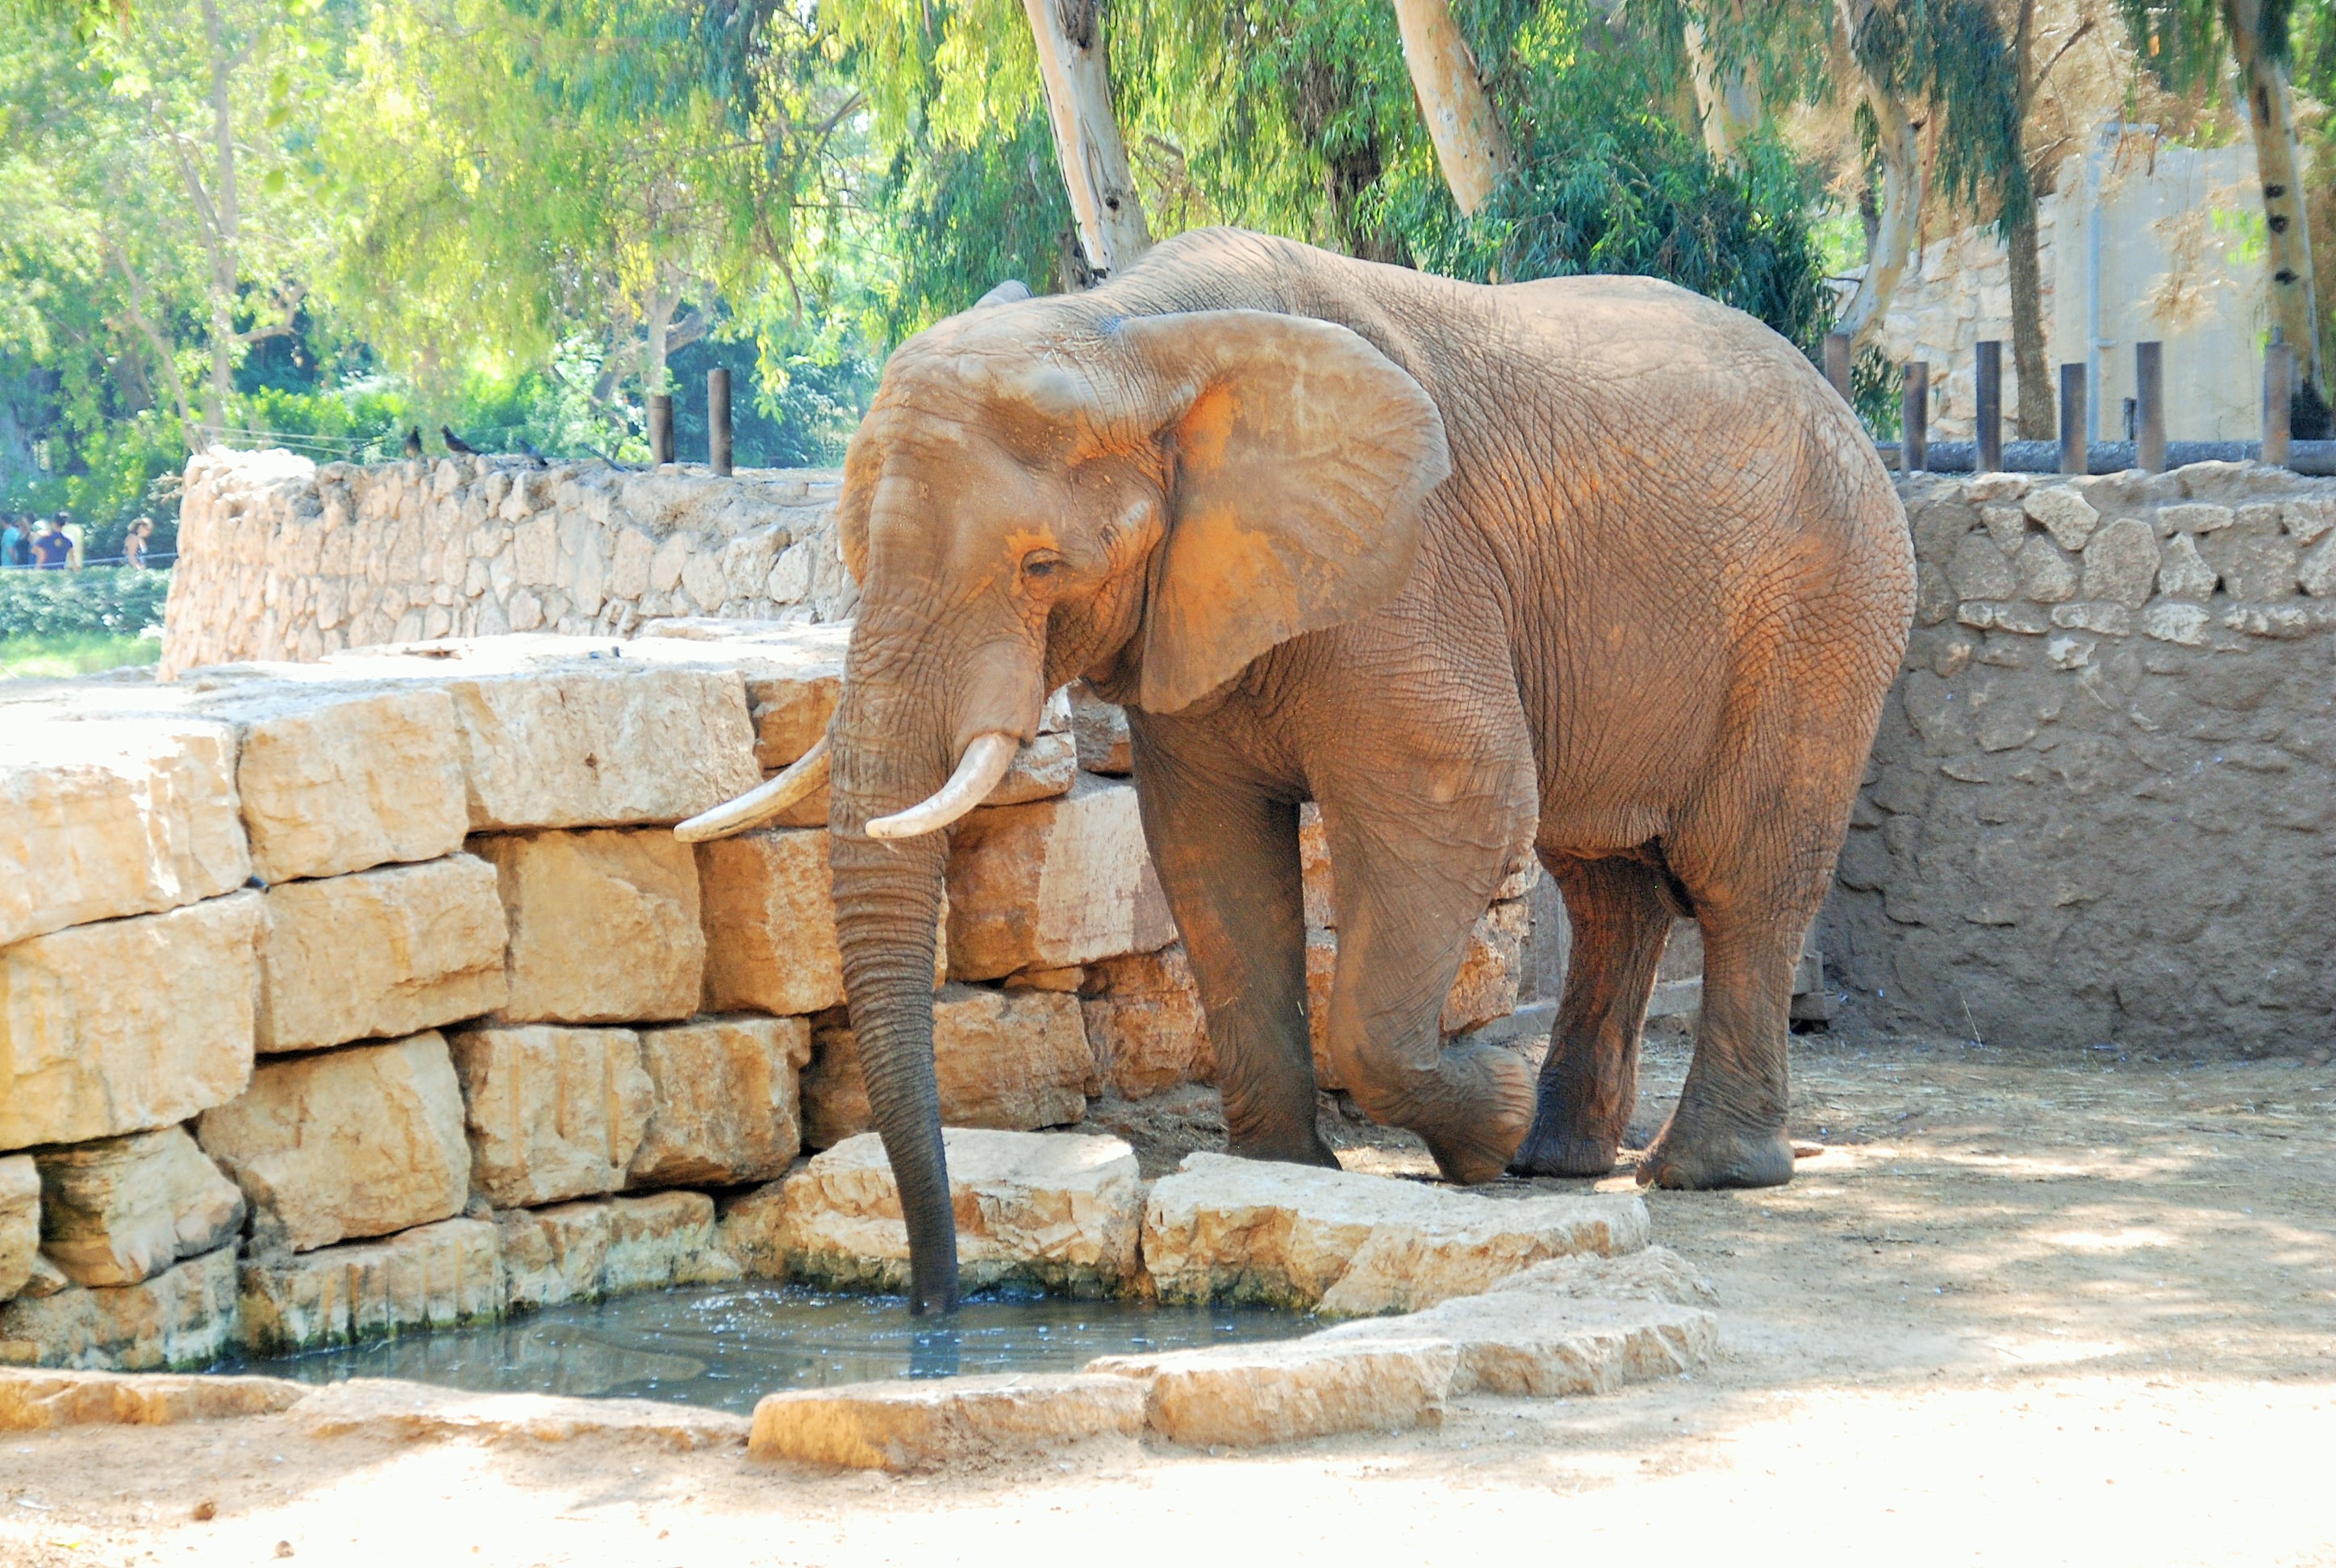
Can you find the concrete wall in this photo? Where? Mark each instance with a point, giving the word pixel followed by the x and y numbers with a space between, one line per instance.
pixel 2180 256
pixel 2102 804
pixel 282 559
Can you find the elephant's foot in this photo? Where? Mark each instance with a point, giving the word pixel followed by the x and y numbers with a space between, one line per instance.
pixel 1699 1153
pixel 1483 1104
pixel 1551 1152
pixel 1304 1149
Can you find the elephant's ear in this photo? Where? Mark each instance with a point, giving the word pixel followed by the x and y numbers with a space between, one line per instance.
pixel 1300 457
pixel 863 465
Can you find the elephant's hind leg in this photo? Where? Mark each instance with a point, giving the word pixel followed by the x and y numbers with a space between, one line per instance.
pixel 1590 1081
pixel 1728 1130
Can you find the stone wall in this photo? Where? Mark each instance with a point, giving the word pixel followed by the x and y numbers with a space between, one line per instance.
pixel 280 559
pixel 375 993
pixel 2101 809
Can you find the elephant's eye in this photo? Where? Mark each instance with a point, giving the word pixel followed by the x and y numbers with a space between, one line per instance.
pixel 1041 566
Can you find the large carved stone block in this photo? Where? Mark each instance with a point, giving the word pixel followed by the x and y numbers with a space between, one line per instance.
pixel 357 1142
pixel 1345 1244
pixel 126 1025
pixel 724 1102
pixel 770 924
pixel 1017 1060
pixel 1054 883
pixel 338 779
pixel 183 1316
pixel 1144 1023
pixel 1058 1211
pixel 431 1277
pixel 383 952
pixel 20 1222
pixel 121 1210
pixel 604 925
pixel 553 1112
pixel 103 819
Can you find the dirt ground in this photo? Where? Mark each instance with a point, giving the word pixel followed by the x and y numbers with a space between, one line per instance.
pixel 2017 1311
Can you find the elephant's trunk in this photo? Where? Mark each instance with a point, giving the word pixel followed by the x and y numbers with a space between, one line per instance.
pixel 887 900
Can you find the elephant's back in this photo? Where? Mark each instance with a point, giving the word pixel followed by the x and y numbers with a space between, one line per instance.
pixel 1660 420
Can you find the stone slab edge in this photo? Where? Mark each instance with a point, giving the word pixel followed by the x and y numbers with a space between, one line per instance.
pixel 34 1401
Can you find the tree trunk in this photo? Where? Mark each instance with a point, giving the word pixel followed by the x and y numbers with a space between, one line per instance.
pixel 225 226
pixel 2029 369
pixel 1471 146
pixel 2271 116
pixel 1727 100
pixel 1075 66
pixel 165 367
pixel 1901 195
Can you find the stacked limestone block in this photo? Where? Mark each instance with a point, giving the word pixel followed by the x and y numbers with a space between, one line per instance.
pixel 2101 808
pixel 376 994
pixel 282 560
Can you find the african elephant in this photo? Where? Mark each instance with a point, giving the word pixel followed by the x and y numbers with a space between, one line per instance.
pixel 1592 567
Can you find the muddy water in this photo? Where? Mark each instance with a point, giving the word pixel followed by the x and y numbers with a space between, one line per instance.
pixel 725 1346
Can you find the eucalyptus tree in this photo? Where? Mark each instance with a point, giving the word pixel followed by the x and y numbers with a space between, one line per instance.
pixel 516 176
pixel 2189 45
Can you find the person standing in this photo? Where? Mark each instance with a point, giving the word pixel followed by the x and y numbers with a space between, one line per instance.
pixel 52 547
pixel 133 543
pixel 16 544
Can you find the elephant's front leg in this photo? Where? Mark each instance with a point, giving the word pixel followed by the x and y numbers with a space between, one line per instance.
pixel 1411 879
pixel 1226 850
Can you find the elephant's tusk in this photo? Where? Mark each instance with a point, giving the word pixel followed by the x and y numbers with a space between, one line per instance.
pixel 760 804
pixel 986 758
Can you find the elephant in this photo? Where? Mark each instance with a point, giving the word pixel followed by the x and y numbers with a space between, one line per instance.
pixel 1593 568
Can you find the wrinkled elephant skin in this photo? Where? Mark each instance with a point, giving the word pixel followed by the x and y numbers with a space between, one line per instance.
pixel 1592 567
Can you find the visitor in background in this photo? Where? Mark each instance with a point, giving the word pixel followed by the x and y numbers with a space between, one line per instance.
pixel 133 543
pixel 52 547
pixel 16 544
pixel 73 532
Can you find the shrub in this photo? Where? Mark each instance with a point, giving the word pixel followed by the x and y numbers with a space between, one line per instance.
pixel 117 602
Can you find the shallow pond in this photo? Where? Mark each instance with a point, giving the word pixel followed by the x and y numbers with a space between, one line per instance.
pixel 725 1346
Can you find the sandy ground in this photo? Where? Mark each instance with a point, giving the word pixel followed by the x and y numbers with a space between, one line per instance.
pixel 2017 1312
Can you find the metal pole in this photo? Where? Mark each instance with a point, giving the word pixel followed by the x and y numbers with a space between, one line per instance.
pixel 1990 431
pixel 660 429
pixel 1914 419
pixel 2073 444
pixel 2149 391
pixel 717 419
pixel 1836 364
pixel 2279 399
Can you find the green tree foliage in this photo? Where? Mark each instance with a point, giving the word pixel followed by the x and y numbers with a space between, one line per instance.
pixel 1611 181
pixel 532 183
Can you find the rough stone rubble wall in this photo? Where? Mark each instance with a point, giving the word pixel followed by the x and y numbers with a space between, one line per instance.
pixel 376 993
pixel 280 559
pixel 2101 809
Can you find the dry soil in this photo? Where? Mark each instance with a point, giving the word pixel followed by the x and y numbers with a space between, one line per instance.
pixel 2017 1310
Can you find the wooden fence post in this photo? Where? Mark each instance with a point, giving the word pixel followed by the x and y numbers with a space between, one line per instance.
pixel 2149 391
pixel 2075 446
pixel 660 429
pixel 718 420
pixel 1914 419
pixel 1989 433
pixel 1836 364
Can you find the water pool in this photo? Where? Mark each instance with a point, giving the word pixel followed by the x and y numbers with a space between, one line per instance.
pixel 722 1347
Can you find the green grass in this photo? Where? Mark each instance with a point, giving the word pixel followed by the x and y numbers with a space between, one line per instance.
pixel 73 653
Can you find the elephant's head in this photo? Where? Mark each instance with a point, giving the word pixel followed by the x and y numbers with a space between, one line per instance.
pixel 1044 490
